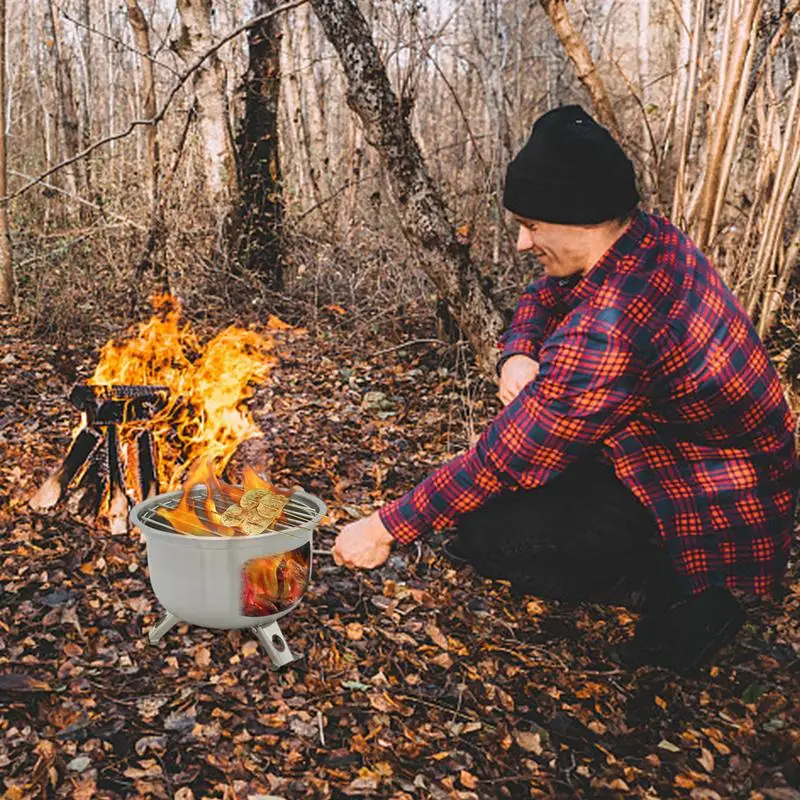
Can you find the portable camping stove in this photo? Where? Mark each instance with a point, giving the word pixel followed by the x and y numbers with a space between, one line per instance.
pixel 229 582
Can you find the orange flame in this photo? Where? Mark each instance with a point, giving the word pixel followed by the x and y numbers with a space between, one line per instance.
pixel 205 418
pixel 252 480
pixel 184 517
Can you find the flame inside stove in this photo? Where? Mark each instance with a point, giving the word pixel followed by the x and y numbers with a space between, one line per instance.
pixel 272 583
pixel 205 418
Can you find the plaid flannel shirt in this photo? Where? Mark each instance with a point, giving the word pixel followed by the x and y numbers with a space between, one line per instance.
pixel 648 362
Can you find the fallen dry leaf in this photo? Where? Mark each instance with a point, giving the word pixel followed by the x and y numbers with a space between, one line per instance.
pixel 362 786
pixel 706 759
pixel 355 631
pixel 15 682
pixel 443 660
pixel 529 741
pixel 468 780
pixel 146 769
pixel 249 648
pixel 437 636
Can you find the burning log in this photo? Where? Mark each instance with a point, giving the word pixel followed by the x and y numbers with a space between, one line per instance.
pixel 145 465
pixel 95 456
pixel 81 450
pixel 118 405
pixel 92 486
pixel 117 496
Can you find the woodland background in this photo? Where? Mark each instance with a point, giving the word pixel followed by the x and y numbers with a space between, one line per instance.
pixel 342 167
pixel 258 177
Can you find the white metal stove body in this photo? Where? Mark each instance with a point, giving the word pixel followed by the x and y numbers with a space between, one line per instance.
pixel 230 581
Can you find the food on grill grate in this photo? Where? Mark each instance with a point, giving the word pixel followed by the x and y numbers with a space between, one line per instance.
pixel 257 511
pixel 226 510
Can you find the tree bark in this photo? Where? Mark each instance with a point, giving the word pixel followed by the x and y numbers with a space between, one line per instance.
pixel 141 33
pixel 581 58
pixel 87 106
pixel 688 111
pixel 423 215
pixel 68 115
pixel 208 82
pixel 261 205
pixel 714 180
pixel 6 272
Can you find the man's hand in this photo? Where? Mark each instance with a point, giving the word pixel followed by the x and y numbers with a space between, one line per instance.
pixel 516 373
pixel 365 543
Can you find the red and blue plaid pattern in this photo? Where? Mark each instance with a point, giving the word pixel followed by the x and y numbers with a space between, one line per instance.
pixel 648 362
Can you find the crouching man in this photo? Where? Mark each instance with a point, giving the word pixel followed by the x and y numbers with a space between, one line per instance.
pixel 645 454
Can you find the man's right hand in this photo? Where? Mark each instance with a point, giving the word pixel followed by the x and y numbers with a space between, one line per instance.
pixel 516 373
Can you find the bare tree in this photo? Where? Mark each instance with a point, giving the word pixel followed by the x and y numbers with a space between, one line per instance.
pixel 585 68
pixel 6 272
pixel 260 204
pixel 422 212
pixel 141 33
pixel 68 115
pixel 84 51
pixel 728 117
pixel 208 80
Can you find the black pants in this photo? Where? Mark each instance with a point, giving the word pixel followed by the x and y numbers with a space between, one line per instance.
pixel 583 536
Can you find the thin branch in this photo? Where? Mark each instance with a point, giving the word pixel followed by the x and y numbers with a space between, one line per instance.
pixel 185 75
pixel 113 39
pixel 325 200
pixel 80 200
pixel 408 344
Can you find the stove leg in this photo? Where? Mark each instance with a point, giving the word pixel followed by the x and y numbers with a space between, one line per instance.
pixel 273 642
pixel 165 624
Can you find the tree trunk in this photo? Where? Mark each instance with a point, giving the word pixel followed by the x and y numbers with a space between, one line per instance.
pixel 644 50
pixel 109 76
pixel 423 215
pixel 141 35
pixel 715 181
pixel 581 58
pixel 261 205
pixel 208 81
pixel 34 35
pixel 66 103
pixel 688 108
pixel 6 273
pixel 84 50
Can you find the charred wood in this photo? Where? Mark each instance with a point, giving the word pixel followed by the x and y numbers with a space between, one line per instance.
pixel 50 492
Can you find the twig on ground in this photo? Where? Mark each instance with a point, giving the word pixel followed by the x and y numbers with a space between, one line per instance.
pixel 524 658
pixel 321 728
pixel 407 344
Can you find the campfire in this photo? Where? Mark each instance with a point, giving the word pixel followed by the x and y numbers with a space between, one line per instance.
pixel 158 402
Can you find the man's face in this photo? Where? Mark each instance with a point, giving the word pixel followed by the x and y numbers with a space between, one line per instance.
pixel 557 247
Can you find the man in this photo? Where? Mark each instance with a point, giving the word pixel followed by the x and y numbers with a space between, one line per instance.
pixel 645 453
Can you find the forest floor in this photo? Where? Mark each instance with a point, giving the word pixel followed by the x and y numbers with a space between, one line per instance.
pixel 417 679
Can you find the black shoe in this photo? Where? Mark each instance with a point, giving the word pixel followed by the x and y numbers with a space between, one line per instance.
pixel 687 635
pixel 455 551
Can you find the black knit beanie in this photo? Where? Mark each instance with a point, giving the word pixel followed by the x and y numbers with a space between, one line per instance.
pixel 570 171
